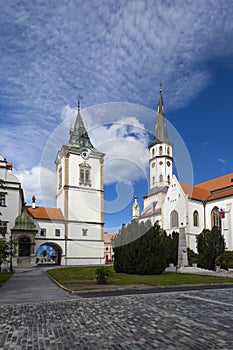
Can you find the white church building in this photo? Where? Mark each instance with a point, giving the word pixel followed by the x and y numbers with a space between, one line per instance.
pixel 174 204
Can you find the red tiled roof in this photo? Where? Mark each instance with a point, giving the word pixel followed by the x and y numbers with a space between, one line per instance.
pixel 217 183
pixel 195 192
pixel 45 213
pixel 108 237
pixel 221 194
pixel 209 190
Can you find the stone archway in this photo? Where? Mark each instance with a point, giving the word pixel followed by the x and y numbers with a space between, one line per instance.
pixel 24 246
pixel 57 249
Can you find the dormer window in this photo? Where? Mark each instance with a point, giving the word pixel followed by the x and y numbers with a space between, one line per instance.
pixel 84 174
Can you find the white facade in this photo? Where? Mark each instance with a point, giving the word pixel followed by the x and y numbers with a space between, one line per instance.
pixel 11 197
pixel 174 205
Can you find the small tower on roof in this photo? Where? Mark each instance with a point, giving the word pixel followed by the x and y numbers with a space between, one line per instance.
pixel 135 209
pixel 160 150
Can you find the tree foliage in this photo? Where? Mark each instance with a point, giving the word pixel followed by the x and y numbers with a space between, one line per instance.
pixel 210 244
pixel 4 249
pixel 143 249
pixel 192 257
pixel 225 261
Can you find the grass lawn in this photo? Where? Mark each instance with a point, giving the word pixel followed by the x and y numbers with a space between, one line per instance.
pixel 4 277
pixel 75 277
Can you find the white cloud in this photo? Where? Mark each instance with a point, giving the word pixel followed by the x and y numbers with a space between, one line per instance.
pixel 105 50
pixel 221 160
pixel 40 182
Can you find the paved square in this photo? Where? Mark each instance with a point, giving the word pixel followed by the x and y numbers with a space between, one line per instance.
pixel 177 320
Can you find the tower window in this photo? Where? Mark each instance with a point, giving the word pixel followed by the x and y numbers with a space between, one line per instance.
pixel 168 179
pixel 174 219
pixel 195 218
pixel 60 178
pixel 2 199
pixel 160 178
pixel 160 150
pixel 84 174
pixel 153 152
pixel 168 151
pixel 153 180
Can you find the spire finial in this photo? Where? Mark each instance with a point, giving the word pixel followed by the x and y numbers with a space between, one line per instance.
pixel 160 87
pixel 79 99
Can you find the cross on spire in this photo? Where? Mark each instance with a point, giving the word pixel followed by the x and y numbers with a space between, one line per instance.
pixel 79 99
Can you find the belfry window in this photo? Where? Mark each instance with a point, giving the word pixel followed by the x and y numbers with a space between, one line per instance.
pixel 195 218
pixel 160 150
pixel 174 219
pixel 168 179
pixel 160 178
pixel 168 151
pixel 84 174
pixel 153 180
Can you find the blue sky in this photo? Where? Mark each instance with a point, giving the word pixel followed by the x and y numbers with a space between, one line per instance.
pixel 115 54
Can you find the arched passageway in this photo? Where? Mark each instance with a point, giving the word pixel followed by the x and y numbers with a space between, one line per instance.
pixel 53 253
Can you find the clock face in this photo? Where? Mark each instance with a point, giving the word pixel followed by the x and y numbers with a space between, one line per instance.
pixel 85 154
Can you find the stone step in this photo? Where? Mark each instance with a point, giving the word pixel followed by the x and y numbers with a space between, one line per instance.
pixel 24 261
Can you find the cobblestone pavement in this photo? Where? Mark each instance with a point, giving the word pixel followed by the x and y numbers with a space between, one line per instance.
pixel 177 320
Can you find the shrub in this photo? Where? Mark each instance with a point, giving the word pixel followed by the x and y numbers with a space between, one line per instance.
pixel 148 254
pixel 210 244
pixel 102 275
pixel 192 257
pixel 225 261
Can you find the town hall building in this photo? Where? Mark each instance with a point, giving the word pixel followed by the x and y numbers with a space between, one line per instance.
pixel 75 228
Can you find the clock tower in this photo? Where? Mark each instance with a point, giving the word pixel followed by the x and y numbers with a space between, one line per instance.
pixel 80 195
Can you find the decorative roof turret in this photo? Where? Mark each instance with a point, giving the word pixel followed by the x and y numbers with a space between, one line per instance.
pixel 161 134
pixel 24 222
pixel 78 135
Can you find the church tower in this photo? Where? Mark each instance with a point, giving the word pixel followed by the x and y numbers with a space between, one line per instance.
pixel 160 151
pixel 80 195
pixel 160 162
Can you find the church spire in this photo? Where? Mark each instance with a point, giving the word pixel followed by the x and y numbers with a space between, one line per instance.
pixel 78 135
pixel 161 134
